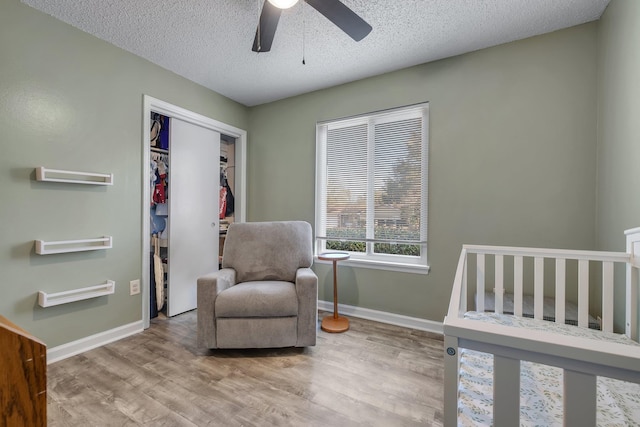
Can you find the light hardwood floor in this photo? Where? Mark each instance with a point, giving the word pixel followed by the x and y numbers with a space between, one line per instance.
pixel 372 375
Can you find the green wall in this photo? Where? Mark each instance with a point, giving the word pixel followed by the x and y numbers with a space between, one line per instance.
pixel 71 101
pixel 512 158
pixel 618 206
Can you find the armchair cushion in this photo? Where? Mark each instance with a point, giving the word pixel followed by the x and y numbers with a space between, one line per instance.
pixel 268 250
pixel 258 299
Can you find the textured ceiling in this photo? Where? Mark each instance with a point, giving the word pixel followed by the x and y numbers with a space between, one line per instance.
pixel 209 41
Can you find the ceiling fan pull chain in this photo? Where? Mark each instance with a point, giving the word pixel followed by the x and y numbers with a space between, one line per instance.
pixel 304 31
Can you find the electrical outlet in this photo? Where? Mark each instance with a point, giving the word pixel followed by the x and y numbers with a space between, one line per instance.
pixel 134 287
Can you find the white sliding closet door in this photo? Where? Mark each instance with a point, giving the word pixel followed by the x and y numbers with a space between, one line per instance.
pixel 194 188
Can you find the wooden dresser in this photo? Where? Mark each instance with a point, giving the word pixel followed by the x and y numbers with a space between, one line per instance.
pixel 23 377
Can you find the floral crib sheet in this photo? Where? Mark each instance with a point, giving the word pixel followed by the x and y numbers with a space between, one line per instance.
pixel 540 385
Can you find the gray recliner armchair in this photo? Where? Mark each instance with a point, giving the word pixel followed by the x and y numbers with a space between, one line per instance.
pixel 265 295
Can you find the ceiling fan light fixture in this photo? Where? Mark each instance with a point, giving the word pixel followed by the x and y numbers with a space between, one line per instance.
pixel 334 10
pixel 283 4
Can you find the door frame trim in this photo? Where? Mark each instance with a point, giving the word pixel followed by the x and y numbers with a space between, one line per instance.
pixel 167 109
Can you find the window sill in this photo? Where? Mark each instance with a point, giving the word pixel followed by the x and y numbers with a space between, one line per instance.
pixel 380 265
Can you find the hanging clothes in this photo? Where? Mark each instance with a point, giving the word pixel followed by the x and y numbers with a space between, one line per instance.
pixel 159 135
pixel 159 175
pixel 158 272
pixel 227 202
pixel 230 201
pixel 156 127
pixel 222 203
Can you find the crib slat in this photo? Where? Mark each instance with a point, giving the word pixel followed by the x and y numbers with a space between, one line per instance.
pixel 517 285
pixel 607 296
pixel 632 284
pixel 631 315
pixel 499 288
pixel 480 282
pixel 538 288
pixel 463 292
pixel 506 391
pixel 561 268
pixel 579 397
pixel 583 293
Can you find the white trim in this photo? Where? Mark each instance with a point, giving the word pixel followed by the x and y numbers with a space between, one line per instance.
pixel 383 317
pixel 56 354
pixel 378 264
pixel 159 106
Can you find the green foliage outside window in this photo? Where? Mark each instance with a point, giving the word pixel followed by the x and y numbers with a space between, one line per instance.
pixel 381 248
pixel 335 245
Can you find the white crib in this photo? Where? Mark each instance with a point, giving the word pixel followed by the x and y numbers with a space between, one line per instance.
pixel 489 356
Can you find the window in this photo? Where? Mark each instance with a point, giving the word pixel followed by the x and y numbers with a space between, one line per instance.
pixel 371 188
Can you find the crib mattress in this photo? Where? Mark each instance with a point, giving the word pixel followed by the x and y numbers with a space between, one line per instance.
pixel 549 308
pixel 540 385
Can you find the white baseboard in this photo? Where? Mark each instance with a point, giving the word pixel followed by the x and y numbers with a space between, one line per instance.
pixel 384 317
pixel 61 352
pixel 55 354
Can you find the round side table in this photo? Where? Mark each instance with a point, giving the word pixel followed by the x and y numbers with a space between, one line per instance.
pixel 334 323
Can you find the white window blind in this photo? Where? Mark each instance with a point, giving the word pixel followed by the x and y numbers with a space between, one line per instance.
pixel 371 186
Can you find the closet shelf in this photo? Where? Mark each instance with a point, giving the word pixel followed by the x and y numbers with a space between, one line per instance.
pixel 57 298
pixel 73 177
pixel 64 246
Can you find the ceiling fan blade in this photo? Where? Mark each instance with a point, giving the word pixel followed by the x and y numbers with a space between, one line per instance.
pixel 346 19
pixel 266 28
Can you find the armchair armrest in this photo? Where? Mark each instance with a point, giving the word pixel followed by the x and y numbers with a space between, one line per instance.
pixel 307 291
pixel 209 286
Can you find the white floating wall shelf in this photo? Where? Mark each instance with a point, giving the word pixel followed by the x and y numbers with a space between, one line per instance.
pixel 73 177
pixel 64 246
pixel 57 298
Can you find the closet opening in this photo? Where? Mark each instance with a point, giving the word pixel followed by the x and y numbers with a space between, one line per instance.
pixel 160 154
pixel 158 212
pixel 227 188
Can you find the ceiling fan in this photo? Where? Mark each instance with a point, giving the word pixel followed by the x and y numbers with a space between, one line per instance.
pixel 334 10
